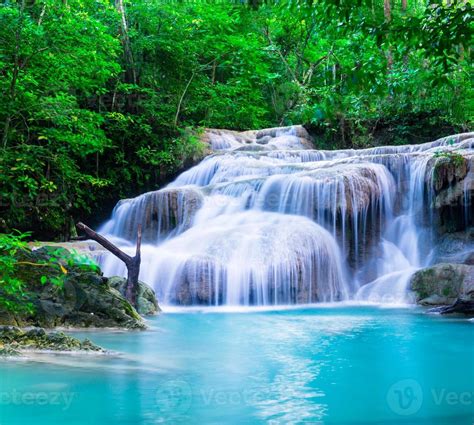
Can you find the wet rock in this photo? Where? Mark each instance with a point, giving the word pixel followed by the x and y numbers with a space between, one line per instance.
pixel 292 137
pixel 195 282
pixel 447 171
pixel 264 140
pixel 161 213
pixel 452 183
pixel 14 340
pixel 443 284
pixel 147 305
pixel 461 306
pixel 253 148
pixel 456 247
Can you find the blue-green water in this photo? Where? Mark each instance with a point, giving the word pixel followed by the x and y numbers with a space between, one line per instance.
pixel 347 365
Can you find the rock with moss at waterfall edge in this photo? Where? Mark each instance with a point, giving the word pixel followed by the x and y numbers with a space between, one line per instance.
pixel 146 297
pixel 443 284
pixel 452 182
pixel 86 299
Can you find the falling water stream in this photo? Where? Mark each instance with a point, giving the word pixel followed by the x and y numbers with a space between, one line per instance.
pixel 266 220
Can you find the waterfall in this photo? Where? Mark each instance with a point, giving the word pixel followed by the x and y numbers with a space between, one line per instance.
pixel 266 219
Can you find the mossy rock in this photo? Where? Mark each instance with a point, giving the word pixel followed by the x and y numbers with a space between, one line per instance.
pixel 443 284
pixel 85 299
pixel 147 305
pixel 14 340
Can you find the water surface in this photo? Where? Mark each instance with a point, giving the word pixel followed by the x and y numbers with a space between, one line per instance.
pixel 343 365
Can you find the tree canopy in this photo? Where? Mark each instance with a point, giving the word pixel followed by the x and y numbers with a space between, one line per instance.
pixel 105 99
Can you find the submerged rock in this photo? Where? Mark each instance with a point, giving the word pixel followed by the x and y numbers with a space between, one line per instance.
pixel 14 340
pixel 443 284
pixel 147 305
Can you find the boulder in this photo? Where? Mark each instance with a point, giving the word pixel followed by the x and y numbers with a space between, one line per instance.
pixel 443 284
pixel 147 305
pixel 83 299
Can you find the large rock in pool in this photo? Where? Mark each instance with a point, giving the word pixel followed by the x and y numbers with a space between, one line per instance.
pixel 443 284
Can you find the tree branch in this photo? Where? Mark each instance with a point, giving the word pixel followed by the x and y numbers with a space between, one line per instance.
pixel 132 263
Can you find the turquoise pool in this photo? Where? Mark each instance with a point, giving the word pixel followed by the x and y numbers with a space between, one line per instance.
pixel 337 365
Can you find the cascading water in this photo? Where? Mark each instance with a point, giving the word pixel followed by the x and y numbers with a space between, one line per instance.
pixel 266 220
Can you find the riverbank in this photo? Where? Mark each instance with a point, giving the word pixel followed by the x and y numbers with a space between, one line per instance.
pixel 60 288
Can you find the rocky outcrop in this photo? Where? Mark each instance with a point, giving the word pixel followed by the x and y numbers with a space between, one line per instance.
pixel 147 305
pixel 455 247
pixel 14 341
pixel 82 298
pixel 443 284
pixel 161 213
pixel 452 183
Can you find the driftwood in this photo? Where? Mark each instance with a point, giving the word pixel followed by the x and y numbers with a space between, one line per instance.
pixel 132 263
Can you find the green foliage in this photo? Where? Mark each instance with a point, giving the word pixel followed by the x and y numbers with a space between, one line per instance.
pixel 16 259
pixel 451 156
pixel 92 111
pixel 11 288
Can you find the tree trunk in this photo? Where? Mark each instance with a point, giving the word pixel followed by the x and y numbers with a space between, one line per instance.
pixel 387 11
pixel 15 73
pixel 127 48
pixel 180 103
pixel 132 263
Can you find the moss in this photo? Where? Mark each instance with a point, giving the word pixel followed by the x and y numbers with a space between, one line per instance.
pixel 14 340
pixel 443 280
pixel 448 291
